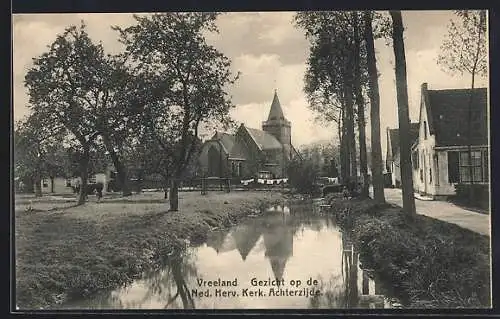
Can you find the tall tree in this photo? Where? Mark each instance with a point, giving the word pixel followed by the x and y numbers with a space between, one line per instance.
pixel 329 79
pixel 464 51
pixel 373 92
pixel 67 85
pixel 359 65
pixel 403 114
pixel 193 77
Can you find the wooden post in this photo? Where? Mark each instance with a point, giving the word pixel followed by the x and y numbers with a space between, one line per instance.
pixel 203 186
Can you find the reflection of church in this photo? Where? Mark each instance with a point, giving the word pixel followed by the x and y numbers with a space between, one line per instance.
pixel 278 239
pixel 276 230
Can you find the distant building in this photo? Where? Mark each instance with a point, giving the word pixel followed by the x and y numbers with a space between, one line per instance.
pixel 440 155
pixel 251 152
pixel 393 159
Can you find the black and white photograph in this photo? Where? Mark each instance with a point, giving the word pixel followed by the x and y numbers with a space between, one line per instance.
pixel 251 160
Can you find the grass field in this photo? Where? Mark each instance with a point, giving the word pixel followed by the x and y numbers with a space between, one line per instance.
pixel 65 251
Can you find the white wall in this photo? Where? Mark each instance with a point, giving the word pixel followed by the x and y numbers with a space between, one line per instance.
pixel 59 186
pixel 426 150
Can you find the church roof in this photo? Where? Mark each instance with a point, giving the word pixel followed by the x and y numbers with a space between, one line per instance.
pixel 227 141
pixel 276 112
pixel 264 140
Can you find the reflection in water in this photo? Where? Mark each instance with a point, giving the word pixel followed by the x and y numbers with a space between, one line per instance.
pixel 287 242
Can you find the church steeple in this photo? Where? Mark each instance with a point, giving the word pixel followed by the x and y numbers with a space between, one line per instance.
pixel 276 113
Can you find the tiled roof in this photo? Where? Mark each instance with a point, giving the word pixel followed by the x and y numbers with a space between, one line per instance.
pixel 264 140
pixel 237 152
pixel 449 113
pixel 227 141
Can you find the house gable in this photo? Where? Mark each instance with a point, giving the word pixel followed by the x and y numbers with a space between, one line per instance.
pixel 446 113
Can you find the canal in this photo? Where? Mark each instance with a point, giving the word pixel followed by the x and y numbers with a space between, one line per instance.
pixel 291 256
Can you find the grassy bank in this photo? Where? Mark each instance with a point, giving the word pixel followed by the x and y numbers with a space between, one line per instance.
pixel 67 252
pixel 431 264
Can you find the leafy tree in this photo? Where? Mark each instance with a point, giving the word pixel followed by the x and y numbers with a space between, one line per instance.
pixel 335 81
pixel 88 92
pixel 37 149
pixel 191 79
pixel 302 175
pixel 464 50
pixel 403 113
pixel 329 76
pixel 64 86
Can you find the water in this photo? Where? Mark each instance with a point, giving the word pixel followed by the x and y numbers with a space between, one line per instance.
pixel 302 248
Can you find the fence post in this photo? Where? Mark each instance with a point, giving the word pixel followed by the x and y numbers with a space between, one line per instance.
pixel 203 186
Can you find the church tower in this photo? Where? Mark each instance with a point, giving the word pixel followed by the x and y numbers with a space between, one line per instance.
pixel 278 126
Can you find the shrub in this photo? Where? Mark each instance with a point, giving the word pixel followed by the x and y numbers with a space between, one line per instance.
pixel 302 176
pixel 480 194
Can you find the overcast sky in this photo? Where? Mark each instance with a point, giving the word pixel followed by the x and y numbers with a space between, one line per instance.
pixel 270 53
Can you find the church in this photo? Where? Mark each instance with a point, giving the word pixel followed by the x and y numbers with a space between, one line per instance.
pixel 250 152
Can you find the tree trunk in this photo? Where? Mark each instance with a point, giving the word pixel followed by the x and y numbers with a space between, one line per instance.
pixel 84 165
pixel 403 114
pixel 174 195
pixel 121 170
pixel 363 163
pixel 140 181
pixel 344 151
pixel 38 184
pixel 351 137
pixel 165 188
pixel 52 184
pixel 377 176
pixel 469 122
pixel 469 144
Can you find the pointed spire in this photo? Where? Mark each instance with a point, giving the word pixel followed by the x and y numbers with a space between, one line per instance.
pixel 276 113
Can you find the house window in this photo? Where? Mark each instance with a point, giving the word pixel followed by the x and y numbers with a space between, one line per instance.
pixel 45 182
pixel 425 130
pixel 459 167
pixel 486 171
pixel 466 165
pixel 430 175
